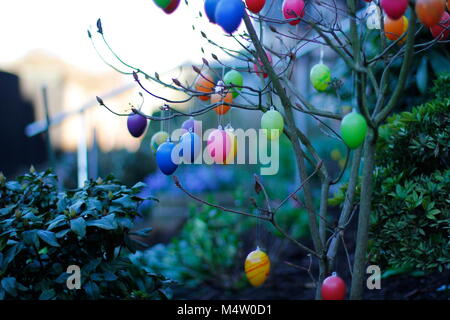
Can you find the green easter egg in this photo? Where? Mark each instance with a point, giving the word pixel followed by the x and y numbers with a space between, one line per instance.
pixel 158 139
pixel 353 130
pixel 320 77
pixel 162 3
pixel 234 77
pixel 272 119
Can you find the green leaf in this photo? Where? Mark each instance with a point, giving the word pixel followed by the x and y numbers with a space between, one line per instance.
pixel 9 284
pixel 78 226
pixel 106 223
pixel 47 294
pixel 49 237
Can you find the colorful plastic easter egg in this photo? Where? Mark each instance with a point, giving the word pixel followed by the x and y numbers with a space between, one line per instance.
pixel 136 124
pixel 394 29
pixel 333 288
pixel 158 139
pixel 273 123
pixel 192 125
pixel 172 6
pixel 223 108
pixel 320 77
pixel 430 12
pixel 234 78
pixel 164 159
pixel 233 149
pixel 191 145
pixel 353 130
pixel 255 6
pixel 204 84
pixel 394 9
pixel 219 145
pixel 229 14
pixel 257 267
pixel 210 9
pixel 442 29
pixel 293 9
pixel 162 3
pixel 258 68
pixel 373 17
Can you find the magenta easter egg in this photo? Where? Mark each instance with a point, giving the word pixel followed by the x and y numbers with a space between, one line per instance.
pixel 258 68
pixel 293 9
pixel 395 9
pixel 173 5
pixel 219 145
pixel 136 124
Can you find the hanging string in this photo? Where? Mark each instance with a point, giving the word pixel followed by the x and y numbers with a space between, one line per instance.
pixel 321 54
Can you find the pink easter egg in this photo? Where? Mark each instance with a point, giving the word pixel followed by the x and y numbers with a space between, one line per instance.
pixel 219 145
pixel 293 9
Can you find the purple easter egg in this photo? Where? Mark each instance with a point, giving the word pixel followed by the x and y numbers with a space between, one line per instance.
pixel 136 124
pixel 192 125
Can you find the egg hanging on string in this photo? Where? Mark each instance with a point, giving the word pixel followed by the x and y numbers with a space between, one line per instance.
pixel 165 159
pixel 162 3
pixel 320 76
pixel 394 29
pixel 373 14
pixel 353 129
pixel 190 145
pixel 234 78
pixel 233 148
pixel 136 124
pixel 157 139
pixel 442 29
pixel 430 12
pixel 255 6
pixel 333 288
pixel 273 123
pixel 204 84
pixel 219 145
pixel 229 14
pixel 210 9
pixel 192 125
pixel 394 9
pixel 258 67
pixel 219 98
pixel 257 267
pixel 293 9
pixel 173 5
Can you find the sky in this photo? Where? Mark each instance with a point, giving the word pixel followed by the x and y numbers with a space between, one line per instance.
pixel 137 30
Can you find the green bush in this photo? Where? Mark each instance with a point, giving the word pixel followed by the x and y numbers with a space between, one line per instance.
pixel 410 221
pixel 43 231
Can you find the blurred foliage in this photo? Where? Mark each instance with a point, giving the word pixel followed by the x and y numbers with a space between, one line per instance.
pixel 410 224
pixel 206 250
pixel 43 231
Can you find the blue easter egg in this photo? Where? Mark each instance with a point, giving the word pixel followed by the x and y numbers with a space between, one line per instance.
pixel 229 14
pixel 164 158
pixel 210 9
pixel 191 143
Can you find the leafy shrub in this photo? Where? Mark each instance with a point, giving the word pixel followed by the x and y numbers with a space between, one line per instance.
pixel 43 231
pixel 206 250
pixel 410 224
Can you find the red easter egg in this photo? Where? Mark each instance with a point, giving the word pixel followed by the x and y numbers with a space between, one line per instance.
pixel 442 29
pixel 333 288
pixel 255 6
pixel 173 5
pixel 293 9
pixel 258 67
pixel 394 8
pixel 219 145
pixel 430 12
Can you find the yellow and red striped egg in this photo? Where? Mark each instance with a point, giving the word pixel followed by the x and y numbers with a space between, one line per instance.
pixel 257 267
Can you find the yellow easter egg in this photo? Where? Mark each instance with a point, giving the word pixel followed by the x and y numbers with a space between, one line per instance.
pixel 233 150
pixel 257 267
